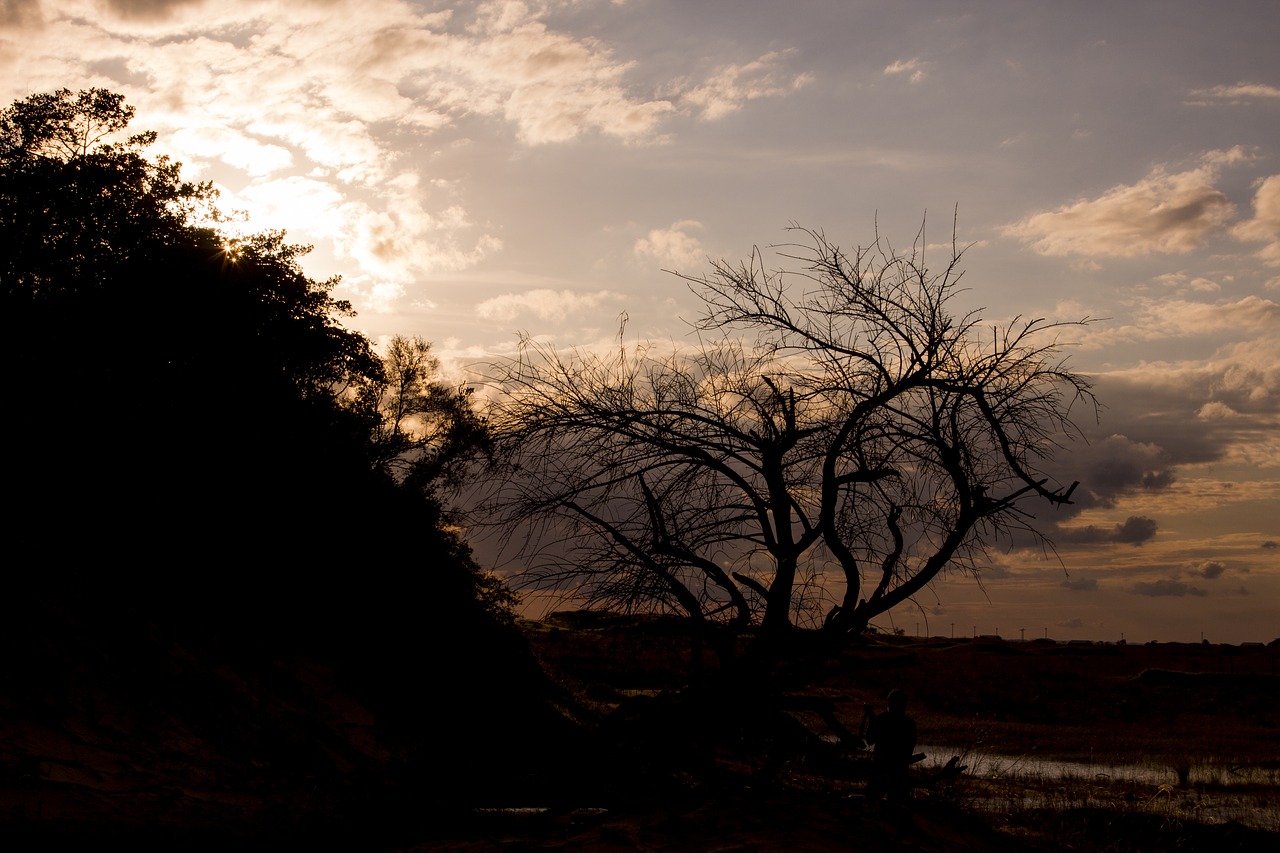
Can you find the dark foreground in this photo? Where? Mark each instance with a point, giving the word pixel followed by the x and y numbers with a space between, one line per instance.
pixel 598 742
pixel 795 821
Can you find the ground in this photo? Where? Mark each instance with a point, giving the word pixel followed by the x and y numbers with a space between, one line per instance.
pixel 748 758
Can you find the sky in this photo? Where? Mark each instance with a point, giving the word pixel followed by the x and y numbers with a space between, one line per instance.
pixel 478 170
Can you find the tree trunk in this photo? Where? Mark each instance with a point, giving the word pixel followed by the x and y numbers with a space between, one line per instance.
pixel 777 612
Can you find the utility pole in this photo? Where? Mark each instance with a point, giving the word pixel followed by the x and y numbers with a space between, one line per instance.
pixel 1023 632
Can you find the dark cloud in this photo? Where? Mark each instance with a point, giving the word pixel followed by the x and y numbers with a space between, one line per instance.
pixel 1081 584
pixel 1135 530
pixel 1149 428
pixel 1110 467
pixel 1268 545
pixel 1209 569
pixel 1173 588
pixel 148 10
pixel 15 13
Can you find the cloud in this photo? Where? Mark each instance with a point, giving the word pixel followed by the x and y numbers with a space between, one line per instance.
pixel 1264 227
pixel 327 139
pixel 1162 420
pixel 1114 466
pixel 1236 389
pixel 148 10
pixel 1187 284
pixel 295 202
pixel 326 96
pixel 1163 416
pixel 1209 569
pixel 1269 545
pixel 543 303
pixel 19 13
pixel 1216 410
pixel 391 236
pixel 948 247
pixel 1161 588
pixel 672 247
pixel 1239 93
pixel 305 99
pixel 1081 584
pixel 551 86
pixel 1181 318
pixel 915 69
pixel 731 86
pixel 1134 530
pixel 233 147
pixel 1164 212
pixel 399 243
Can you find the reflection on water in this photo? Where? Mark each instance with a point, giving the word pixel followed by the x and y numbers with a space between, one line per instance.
pixel 1209 792
pixel 989 765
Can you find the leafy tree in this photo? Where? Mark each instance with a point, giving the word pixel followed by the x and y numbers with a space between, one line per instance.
pixel 66 126
pixel 210 479
pixel 428 431
pixel 866 441
pixel 81 202
pixel 189 396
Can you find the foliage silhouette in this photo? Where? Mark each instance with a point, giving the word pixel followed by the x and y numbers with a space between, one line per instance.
pixel 209 474
pixel 188 382
pixel 866 438
pixel 428 432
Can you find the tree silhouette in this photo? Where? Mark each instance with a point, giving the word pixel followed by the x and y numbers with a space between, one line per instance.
pixel 174 365
pixel 428 431
pixel 864 442
pixel 223 504
pixel 191 396
pixel 81 204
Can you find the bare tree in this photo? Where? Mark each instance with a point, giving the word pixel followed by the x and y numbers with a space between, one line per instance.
pixel 836 440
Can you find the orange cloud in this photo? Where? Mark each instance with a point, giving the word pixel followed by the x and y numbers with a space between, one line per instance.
pixel 914 69
pixel 1164 212
pixel 730 86
pixel 1240 93
pixel 673 247
pixel 1265 224
pixel 542 303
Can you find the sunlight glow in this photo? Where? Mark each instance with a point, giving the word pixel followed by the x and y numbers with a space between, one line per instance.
pixel 232 250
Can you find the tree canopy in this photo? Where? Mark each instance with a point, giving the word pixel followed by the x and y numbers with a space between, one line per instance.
pixel 834 440
pixel 226 508
pixel 182 395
